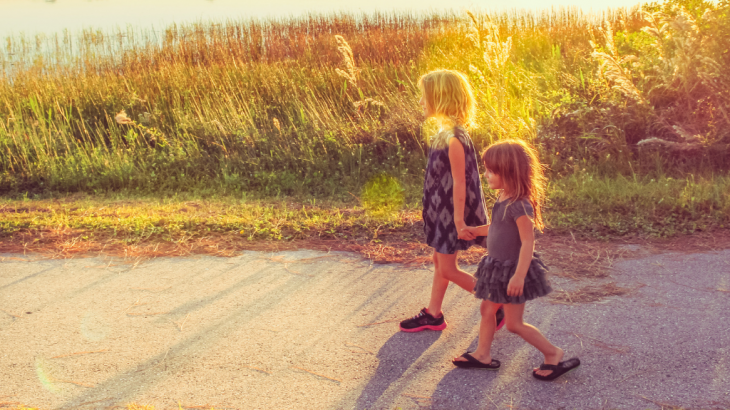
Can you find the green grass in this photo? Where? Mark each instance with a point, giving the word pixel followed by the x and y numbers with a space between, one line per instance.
pixel 140 219
pixel 658 207
pixel 582 204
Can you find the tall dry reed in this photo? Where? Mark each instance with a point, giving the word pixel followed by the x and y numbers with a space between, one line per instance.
pixel 320 104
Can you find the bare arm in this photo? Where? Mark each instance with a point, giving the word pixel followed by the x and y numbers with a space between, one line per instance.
pixel 481 230
pixel 458 173
pixel 516 284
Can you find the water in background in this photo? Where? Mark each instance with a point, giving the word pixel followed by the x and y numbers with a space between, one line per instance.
pixel 53 16
pixel 50 35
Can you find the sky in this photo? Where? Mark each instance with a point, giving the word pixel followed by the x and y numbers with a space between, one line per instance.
pixel 33 16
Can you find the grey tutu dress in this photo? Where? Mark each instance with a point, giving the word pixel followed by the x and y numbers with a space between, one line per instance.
pixel 438 194
pixel 497 268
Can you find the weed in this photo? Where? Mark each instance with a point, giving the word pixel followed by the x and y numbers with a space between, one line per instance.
pixel 320 105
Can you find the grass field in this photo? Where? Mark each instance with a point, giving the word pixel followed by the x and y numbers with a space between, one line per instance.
pixel 122 224
pixel 629 109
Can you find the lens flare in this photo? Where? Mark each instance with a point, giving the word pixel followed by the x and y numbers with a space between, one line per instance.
pixel 44 375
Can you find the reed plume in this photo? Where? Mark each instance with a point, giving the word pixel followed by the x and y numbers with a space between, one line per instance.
pixel 348 59
pixel 122 118
pixel 200 99
pixel 612 66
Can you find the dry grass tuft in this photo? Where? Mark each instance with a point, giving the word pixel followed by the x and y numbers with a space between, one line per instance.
pixel 580 259
pixel 362 349
pixel 204 406
pixel 181 325
pixel 662 405
pixel 611 347
pixel 379 323
pixel 147 313
pixel 590 293
pixel 140 407
pixel 79 353
pixel 338 381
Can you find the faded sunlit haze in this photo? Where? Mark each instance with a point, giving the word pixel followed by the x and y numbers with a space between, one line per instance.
pixel 33 16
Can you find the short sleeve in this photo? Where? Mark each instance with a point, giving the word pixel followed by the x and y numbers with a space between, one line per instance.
pixel 519 208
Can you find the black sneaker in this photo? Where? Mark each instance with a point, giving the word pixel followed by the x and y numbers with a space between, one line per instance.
pixel 500 318
pixel 423 321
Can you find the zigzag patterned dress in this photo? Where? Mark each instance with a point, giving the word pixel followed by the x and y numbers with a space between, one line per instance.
pixel 438 194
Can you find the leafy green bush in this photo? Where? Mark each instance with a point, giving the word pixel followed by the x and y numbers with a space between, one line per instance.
pixel 383 194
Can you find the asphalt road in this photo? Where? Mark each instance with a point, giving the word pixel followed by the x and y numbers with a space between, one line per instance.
pixel 311 330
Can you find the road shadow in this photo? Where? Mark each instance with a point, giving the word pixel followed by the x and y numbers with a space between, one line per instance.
pixel 394 359
pixel 463 389
pixel 123 386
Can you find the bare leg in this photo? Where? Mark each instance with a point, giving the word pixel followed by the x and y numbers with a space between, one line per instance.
pixel 513 321
pixel 446 270
pixel 487 327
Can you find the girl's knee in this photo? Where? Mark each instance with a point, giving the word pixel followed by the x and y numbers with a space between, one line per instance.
pixel 446 273
pixel 488 308
pixel 513 326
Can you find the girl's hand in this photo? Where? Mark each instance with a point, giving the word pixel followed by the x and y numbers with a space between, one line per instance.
pixel 465 232
pixel 473 230
pixel 516 286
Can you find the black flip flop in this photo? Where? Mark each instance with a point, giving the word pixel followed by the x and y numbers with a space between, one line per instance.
pixel 558 369
pixel 473 363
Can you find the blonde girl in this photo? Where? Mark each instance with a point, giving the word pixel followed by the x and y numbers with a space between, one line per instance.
pixel 452 190
pixel 511 273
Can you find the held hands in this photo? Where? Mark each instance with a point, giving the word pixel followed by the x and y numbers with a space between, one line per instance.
pixel 516 286
pixel 466 233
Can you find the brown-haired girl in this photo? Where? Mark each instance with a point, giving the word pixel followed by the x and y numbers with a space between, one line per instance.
pixel 512 273
pixel 452 191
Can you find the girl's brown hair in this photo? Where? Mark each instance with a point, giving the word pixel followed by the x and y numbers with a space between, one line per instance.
pixel 450 95
pixel 518 165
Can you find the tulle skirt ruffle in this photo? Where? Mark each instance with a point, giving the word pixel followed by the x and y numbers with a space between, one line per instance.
pixel 494 275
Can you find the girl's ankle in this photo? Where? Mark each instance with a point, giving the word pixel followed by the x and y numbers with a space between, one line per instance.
pixel 438 315
pixel 481 356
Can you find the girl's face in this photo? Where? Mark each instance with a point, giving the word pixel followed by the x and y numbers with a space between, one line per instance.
pixel 493 180
pixel 427 110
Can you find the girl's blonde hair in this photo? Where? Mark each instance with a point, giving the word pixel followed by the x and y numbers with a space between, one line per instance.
pixel 450 95
pixel 517 163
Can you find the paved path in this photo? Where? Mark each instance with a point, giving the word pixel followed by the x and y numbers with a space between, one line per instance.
pixel 301 330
